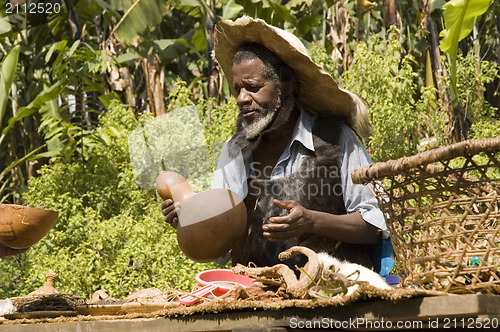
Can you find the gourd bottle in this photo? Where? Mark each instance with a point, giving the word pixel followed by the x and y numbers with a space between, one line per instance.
pixel 210 223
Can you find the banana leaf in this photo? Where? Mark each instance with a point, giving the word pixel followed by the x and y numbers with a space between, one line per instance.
pixel 459 19
pixel 7 73
pixel 141 16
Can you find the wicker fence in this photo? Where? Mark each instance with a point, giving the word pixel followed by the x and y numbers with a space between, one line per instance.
pixel 443 213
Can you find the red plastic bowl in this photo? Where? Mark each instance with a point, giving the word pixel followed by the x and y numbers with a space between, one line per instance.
pixel 215 282
pixel 225 279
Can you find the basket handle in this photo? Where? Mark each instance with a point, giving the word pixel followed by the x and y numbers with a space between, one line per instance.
pixel 380 170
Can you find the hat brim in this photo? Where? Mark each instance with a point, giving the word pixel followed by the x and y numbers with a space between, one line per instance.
pixel 318 92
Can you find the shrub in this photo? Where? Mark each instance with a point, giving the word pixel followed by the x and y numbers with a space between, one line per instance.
pixel 110 233
pixel 401 114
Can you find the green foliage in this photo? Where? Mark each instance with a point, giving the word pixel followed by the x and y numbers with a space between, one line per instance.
pixel 320 56
pixel 110 233
pixel 219 123
pixel 9 160
pixel 7 72
pixel 271 11
pixel 218 119
pixel 181 96
pixel 473 74
pixel 186 140
pixel 486 128
pixel 38 104
pixel 139 17
pixel 402 113
pixel 386 79
pixel 79 65
pixel 459 19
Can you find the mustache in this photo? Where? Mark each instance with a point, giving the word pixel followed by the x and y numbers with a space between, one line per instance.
pixel 249 108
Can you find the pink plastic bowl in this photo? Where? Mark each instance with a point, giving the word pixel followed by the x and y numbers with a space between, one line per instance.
pixel 215 282
pixel 225 279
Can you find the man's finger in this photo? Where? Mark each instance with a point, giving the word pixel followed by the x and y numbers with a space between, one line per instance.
pixel 288 219
pixel 280 220
pixel 175 222
pixel 177 207
pixel 281 227
pixel 288 205
pixel 275 227
pixel 168 209
pixel 166 203
pixel 171 219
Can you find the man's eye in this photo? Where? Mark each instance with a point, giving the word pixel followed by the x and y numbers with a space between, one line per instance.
pixel 249 88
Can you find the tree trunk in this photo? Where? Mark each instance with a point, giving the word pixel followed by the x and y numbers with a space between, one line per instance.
pixel 129 88
pixel 455 126
pixel 73 20
pixel 213 71
pixel 340 23
pixel 155 81
pixel 389 13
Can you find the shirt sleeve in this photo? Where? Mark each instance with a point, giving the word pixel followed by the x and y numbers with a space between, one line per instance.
pixel 231 173
pixel 358 197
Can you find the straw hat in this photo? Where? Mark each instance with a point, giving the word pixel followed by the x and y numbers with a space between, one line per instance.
pixel 318 91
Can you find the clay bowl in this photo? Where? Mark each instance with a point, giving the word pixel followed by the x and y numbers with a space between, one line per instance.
pixel 22 226
pixel 210 223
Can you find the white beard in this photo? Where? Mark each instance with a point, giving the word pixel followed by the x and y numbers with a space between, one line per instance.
pixel 254 128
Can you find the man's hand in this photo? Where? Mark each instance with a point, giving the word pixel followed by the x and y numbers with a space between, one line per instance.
pixel 8 251
pixel 296 223
pixel 170 210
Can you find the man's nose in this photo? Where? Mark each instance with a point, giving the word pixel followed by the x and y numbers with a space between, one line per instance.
pixel 243 97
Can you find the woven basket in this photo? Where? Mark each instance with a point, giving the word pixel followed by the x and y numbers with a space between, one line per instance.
pixel 443 213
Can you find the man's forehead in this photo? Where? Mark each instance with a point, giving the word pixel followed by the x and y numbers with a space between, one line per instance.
pixel 253 62
pixel 251 68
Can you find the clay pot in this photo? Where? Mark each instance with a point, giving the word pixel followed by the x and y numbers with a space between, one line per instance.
pixel 22 226
pixel 48 288
pixel 210 223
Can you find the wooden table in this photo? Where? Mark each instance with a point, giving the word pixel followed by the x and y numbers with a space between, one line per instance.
pixel 443 312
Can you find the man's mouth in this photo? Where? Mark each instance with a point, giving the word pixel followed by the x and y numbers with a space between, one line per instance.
pixel 248 113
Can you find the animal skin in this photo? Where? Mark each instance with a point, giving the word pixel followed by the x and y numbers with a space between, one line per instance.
pixel 317 266
pixel 352 271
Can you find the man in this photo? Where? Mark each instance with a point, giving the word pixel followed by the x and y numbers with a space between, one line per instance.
pixel 293 151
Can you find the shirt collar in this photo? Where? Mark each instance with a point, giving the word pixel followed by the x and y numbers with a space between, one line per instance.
pixel 302 133
pixel 303 130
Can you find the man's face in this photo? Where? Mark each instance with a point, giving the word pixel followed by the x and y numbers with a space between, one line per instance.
pixel 258 97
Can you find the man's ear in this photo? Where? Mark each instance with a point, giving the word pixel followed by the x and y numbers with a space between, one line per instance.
pixel 295 86
pixel 291 86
